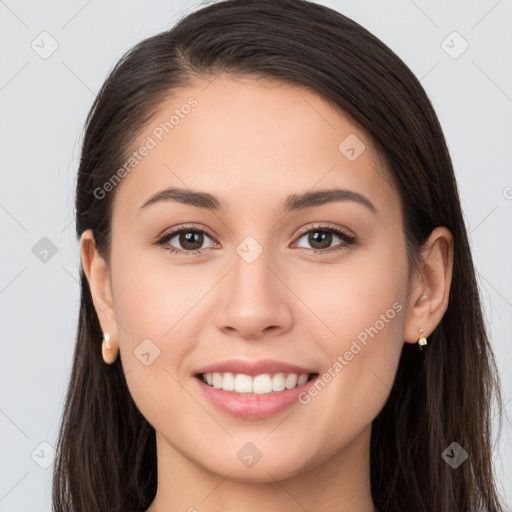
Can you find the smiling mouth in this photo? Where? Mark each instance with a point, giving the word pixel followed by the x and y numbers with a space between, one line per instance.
pixel 262 384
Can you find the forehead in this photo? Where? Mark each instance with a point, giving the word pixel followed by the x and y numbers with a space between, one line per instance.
pixel 244 139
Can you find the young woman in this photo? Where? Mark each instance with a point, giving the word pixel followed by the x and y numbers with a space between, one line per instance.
pixel 279 308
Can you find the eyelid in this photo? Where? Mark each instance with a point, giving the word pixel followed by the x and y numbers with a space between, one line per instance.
pixel 184 227
pixel 325 226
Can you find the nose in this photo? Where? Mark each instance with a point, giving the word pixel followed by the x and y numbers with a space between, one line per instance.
pixel 255 302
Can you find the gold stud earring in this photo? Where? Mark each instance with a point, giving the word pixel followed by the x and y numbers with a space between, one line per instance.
pixel 422 340
pixel 109 355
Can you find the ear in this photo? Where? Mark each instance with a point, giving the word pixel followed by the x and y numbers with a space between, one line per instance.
pixel 98 276
pixel 430 288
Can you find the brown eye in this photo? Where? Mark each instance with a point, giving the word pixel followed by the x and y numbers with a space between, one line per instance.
pixel 320 239
pixel 188 240
pixel 191 240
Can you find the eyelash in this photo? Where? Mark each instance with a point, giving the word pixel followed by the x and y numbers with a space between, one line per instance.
pixel 347 239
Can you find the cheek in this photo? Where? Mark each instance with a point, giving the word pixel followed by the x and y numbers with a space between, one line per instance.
pixel 159 311
pixel 154 305
pixel 155 298
pixel 365 292
pixel 361 304
pixel 161 314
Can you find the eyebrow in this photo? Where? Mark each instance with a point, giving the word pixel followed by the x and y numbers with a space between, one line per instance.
pixel 292 203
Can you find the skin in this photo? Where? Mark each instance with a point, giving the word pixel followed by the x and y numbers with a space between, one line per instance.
pixel 251 143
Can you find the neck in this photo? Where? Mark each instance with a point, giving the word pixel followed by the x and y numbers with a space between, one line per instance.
pixel 339 483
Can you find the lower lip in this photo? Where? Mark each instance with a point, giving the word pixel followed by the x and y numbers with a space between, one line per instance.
pixel 251 406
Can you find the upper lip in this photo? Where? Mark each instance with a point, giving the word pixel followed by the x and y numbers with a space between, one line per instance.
pixel 249 367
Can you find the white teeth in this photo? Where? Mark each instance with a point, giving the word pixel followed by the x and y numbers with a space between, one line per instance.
pixel 262 384
pixel 278 382
pixel 217 380
pixel 228 381
pixel 302 379
pixel 259 384
pixel 243 383
pixel 291 381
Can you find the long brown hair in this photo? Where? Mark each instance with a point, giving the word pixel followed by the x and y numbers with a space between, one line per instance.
pixel 106 452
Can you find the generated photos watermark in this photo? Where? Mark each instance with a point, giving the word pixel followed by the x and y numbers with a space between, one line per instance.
pixel 151 142
pixel 355 348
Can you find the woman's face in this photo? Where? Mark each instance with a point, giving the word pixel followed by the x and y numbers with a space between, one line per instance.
pixel 268 279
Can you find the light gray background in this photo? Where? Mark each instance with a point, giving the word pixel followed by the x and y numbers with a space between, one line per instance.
pixel 43 107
